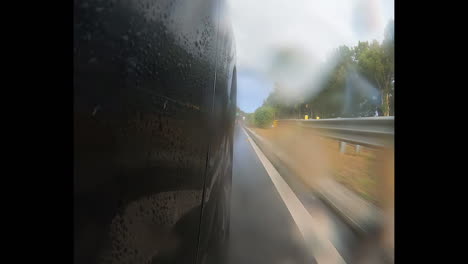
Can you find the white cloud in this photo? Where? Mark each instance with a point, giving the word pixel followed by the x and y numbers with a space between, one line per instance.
pixel 261 26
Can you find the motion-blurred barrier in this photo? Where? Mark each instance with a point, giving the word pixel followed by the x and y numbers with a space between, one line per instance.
pixel 372 132
pixel 375 132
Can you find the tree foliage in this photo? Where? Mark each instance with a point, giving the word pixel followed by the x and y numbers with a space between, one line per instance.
pixel 264 116
pixel 360 83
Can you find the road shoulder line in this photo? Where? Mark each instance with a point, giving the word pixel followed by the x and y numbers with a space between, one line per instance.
pixel 316 240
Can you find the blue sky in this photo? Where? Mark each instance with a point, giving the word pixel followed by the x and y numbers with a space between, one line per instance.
pixel 252 89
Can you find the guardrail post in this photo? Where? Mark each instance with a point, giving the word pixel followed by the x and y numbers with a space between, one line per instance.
pixel 358 149
pixel 342 147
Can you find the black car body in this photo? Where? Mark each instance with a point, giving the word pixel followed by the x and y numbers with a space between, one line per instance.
pixel 154 110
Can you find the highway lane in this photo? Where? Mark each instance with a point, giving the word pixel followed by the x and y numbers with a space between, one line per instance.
pixel 263 229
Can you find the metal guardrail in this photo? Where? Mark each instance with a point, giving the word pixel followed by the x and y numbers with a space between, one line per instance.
pixel 366 131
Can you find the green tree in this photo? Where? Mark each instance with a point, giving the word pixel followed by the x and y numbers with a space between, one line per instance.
pixel 389 50
pixel 329 102
pixel 376 63
pixel 342 93
pixel 264 116
pixel 282 108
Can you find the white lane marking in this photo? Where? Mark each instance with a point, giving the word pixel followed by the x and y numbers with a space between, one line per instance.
pixel 317 241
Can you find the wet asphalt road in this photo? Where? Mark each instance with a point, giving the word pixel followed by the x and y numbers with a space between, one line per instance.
pixel 262 228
